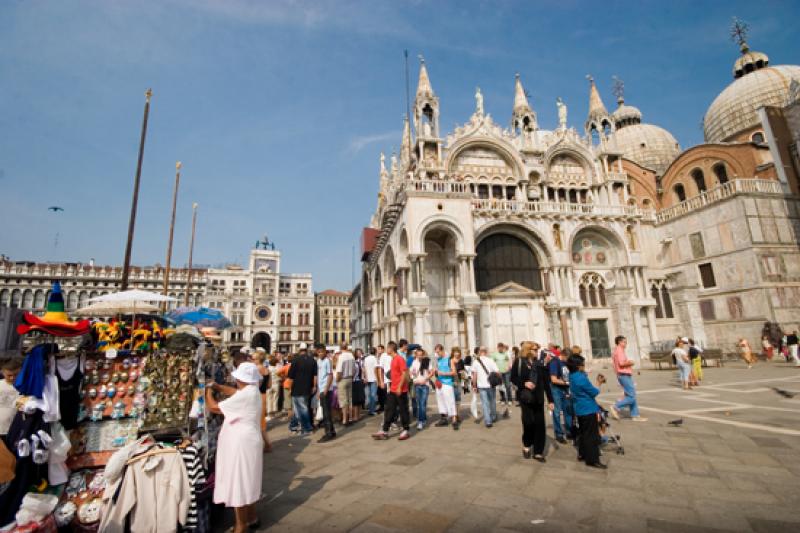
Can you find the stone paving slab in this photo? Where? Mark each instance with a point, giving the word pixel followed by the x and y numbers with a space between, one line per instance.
pixel 731 466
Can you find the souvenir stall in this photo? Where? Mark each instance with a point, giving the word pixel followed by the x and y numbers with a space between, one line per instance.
pixel 124 395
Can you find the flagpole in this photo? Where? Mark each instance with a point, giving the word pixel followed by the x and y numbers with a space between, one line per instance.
pixel 172 228
pixel 126 267
pixel 191 251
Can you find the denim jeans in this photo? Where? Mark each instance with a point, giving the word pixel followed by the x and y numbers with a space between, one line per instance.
pixel 488 403
pixel 561 404
pixel 372 396
pixel 421 401
pixel 301 412
pixel 626 382
pixel 507 385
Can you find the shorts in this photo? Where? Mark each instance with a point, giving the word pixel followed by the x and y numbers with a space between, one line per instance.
pixel 344 388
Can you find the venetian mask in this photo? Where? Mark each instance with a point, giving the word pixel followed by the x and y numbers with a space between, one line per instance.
pixel 90 511
pixel 64 513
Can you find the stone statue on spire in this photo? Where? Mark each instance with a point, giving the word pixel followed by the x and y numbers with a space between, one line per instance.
pixel 562 113
pixel 478 101
pixel 383 163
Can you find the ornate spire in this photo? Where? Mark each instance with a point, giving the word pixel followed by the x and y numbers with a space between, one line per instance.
pixel 523 117
pixel 750 60
pixel 520 98
pixel 405 148
pixel 424 85
pixel 596 108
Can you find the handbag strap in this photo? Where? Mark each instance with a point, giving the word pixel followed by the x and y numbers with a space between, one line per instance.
pixel 483 366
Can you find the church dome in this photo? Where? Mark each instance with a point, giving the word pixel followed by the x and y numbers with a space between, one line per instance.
pixel 647 145
pixel 735 109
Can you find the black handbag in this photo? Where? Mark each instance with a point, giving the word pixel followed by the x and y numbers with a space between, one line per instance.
pixel 524 394
pixel 495 379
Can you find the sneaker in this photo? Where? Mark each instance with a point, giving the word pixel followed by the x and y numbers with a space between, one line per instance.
pixel 404 435
pixel 381 435
pixel 561 440
pixel 599 465
pixel 488 426
pixel 304 434
pixel 456 425
pixel 420 426
pixel 613 410
pixel 442 423
pixel 639 419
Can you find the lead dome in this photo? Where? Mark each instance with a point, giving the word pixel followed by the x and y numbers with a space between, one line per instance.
pixel 755 85
pixel 648 145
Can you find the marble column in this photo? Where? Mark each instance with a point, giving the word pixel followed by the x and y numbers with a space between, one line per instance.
pixel 419 326
pixel 469 316
pixel 454 336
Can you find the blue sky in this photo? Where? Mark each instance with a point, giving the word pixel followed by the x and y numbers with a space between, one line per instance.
pixel 278 110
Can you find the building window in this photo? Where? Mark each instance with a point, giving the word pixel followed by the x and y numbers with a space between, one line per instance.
pixel 735 307
pixel 655 293
pixel 592 290
pixel 666 301
pixel 707 310
pixel 699 180
pixel 721 172
pixel 707 275
pixel 660 293
pixel 483 191
pixel 758 137
pixel 696 242
pixel 680 192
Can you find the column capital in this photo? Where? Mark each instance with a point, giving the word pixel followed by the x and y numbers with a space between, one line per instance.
pixel 413 257
pixel 462 257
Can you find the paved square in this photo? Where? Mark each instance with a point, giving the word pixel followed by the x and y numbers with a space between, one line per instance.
pixel 732 465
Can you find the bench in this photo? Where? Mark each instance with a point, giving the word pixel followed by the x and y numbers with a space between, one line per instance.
pixel 713 354
pixel 659 358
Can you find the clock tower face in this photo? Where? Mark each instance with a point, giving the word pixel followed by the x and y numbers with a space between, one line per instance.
pixel 262 314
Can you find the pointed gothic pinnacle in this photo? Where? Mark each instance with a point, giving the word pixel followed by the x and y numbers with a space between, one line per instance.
pixel 424 86
pixel 596 107
pixel 520 99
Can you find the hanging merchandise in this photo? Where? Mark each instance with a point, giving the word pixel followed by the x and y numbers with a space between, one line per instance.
pixel 30 380
pixel 55 320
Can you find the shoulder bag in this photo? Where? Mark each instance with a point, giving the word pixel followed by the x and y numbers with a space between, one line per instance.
pixel 495 379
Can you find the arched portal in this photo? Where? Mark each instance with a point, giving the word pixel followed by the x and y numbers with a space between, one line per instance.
pixel 440 282
pixel 262 340
pixel 502 258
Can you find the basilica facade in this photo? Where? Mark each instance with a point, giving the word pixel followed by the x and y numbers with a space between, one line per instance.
pixel 493 233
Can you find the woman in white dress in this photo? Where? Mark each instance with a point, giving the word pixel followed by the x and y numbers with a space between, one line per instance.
pixel 239 461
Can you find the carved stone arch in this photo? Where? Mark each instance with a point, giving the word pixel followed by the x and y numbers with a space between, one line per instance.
pixel 377 283
pixel 530 235
pixel 614 240
pixel 389 266
pixel 573 150
pixel 502 148
pixel 443 222
pixel 402 249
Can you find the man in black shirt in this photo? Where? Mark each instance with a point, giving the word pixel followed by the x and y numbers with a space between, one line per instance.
pixel 303 374
pixel 792 343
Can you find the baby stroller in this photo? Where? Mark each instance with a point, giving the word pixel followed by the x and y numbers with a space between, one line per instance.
pixel 607 436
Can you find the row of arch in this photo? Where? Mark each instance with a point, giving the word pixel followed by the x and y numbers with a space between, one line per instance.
pixel 36 299
pixel 504 252
pixel 698 181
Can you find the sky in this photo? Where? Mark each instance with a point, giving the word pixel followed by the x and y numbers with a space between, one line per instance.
pixel 279 109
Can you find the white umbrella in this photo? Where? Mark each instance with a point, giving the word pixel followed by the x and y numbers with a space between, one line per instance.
pixel 128 307
pixel 133 295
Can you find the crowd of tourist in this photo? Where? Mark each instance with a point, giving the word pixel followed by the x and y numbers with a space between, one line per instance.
pixel 319 389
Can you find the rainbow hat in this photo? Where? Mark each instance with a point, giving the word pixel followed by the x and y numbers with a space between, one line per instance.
pixel 55 320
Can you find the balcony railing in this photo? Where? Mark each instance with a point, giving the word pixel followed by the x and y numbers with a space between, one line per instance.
pixel 438 187
pixel 493 205
pixel 718 193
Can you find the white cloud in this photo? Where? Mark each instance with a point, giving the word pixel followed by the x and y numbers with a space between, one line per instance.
pixel 359 143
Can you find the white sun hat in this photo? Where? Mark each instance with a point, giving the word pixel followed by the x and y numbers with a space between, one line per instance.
pixel 247 373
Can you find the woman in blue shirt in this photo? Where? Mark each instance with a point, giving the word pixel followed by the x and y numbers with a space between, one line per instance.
pixel 586 410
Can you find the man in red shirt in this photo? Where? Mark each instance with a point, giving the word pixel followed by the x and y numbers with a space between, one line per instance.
pixel 397 397
pixel 624 370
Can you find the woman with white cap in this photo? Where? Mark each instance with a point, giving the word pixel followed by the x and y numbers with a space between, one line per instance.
pixel 239 460
pixel 682 360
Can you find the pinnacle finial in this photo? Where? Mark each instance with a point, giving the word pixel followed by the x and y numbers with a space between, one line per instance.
pixel 424 85
pixel 739 31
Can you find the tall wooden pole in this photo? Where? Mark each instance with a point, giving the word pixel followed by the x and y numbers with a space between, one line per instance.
pixel 191 250
pixel 172 226
pixel 126 267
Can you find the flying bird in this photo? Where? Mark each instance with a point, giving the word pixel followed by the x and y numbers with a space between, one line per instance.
pixel 675 423
pixel 784 393
pixel 55 208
